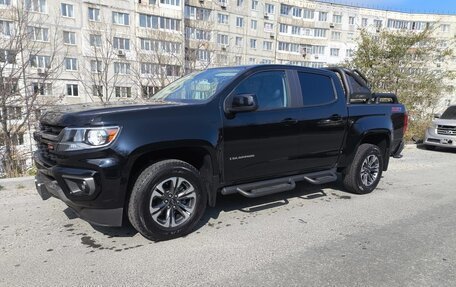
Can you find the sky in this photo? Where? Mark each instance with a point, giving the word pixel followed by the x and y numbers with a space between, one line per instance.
pixel 417 6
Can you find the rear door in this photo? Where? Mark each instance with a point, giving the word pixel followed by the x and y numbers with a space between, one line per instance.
pixel 263 143
pixel 322 121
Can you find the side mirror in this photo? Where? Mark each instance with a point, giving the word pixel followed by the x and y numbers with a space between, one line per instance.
pixel 242 103
pixel 437 116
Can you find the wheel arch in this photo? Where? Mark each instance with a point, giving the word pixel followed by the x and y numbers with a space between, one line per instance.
pixel 199 154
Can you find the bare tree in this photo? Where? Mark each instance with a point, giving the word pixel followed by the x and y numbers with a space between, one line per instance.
pixel 159 60
pixel 109 62
pixel 30 56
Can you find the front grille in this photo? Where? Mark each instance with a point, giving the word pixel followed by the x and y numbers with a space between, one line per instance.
pixel 446 130
pixel 46 142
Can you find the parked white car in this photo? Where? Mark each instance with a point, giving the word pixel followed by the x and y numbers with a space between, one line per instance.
pixel 442 132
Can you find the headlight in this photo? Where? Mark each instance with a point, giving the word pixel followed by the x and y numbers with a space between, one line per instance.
pixel 87 138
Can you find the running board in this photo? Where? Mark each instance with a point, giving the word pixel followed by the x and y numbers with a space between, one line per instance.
pixel 266 187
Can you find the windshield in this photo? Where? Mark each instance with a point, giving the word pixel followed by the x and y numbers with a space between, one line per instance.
pixel 198 86
pixel 449 114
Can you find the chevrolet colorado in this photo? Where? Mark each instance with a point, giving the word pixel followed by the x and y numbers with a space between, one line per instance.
pixel 252 130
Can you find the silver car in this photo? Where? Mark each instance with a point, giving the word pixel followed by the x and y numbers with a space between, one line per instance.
pixel 442 132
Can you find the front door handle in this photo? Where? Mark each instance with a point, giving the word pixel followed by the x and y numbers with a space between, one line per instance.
pixel 335 118
pixel 289 121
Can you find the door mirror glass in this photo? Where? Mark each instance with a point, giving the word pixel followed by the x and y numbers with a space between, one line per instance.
pixel 243 103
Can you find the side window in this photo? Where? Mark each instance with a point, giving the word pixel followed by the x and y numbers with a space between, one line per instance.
pixel 316 89
pixel 269 87
pixel 357 87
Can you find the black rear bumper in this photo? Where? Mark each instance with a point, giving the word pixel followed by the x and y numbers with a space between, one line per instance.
pixel 47 187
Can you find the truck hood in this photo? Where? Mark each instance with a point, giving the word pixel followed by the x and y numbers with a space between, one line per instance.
pixel 444 122
pixel 92 113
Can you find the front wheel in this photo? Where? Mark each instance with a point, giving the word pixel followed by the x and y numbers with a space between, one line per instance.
pixel 365 172
pixel 167 200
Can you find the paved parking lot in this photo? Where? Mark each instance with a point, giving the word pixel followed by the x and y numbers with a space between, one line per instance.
pixel 403 234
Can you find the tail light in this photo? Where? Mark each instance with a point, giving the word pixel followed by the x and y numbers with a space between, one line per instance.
pixel 406 119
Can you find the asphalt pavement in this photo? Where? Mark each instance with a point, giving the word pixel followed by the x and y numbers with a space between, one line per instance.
pixel 403 234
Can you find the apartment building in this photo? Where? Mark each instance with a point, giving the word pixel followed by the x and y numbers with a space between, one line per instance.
pixel 129 49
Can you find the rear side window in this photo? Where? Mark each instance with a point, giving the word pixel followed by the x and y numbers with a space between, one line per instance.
pixel 316 89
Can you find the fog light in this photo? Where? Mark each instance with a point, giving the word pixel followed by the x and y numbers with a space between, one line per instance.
pixel 80 186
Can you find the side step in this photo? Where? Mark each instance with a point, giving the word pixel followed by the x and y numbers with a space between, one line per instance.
pixel 266 187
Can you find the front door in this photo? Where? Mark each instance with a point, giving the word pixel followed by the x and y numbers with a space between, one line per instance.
pixel 263 143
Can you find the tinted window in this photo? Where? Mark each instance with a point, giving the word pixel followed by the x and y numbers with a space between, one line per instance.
pixel 449 114
pixel 269 88
pixel 357 87
pixel 316 89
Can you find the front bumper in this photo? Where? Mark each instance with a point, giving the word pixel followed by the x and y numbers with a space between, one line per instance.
pixel 79 189
pixel 434 139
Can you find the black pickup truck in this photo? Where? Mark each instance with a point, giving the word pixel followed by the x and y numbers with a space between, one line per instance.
pixel 252 130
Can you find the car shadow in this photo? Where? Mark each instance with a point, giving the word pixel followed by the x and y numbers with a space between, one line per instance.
pixel 437 149
pixel 230 203
pixel 237 202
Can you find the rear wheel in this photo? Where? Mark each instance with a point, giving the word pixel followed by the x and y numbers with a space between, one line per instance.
pixel 167 200
pixel 365 172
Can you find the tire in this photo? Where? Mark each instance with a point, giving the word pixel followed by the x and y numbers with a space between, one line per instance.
pixel 430 147
pixel 162 204
pixel 364 173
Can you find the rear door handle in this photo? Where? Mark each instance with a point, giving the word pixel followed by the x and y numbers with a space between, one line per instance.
pixel 335 118
pixel 289 121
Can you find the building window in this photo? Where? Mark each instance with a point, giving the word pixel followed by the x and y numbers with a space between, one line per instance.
pixel 94 14
pixel 238 41
pixel 121 43
pixel 268 27
pixel 149 91
pixel 267 45
pixel 197 13
pixel 319 33
pixel 351 20
pixel 170 2
pixel 253 24
pixel 95 66
pixel 222 39
pixel 323 16
pixel 71 64
pixel 67 10
pixel 239 3
pixel 222 18
pixel 378 23
pixel 38 33
pixel 197 34
pixel 6 27
pixel 72 90
pixel 123 92
pixel 269 8
pixel 69 38
pixel 5 2
pixel 445 28
pixel 97 91
pixel 253 43
pixel 43 89
pixel 121 68
pixel 120 18
pixel 8 56
pixel 296 12
pixel 237 60
pixel 95 40
pixel 308 14
pixel 364 22
pixel 337 19
pixel 39 61
pixel 334 52
pixel 203 55
pixel 239 22
pixel 335 35
pixel 35 5
pixel 285 9
pixel 254 5
pixel 349 52
pixel 158 22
